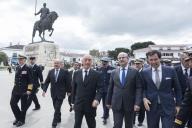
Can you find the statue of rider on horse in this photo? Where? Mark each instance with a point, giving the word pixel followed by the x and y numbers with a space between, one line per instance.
pixel 46 21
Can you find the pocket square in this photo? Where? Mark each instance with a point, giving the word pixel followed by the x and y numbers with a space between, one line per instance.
pixel 168 78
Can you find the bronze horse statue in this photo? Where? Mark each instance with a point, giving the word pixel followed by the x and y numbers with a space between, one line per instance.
pixel 45 24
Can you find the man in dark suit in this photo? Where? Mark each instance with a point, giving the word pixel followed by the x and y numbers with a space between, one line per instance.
pixel 59 79
pixel 71 74
pixel 183 72
pixel 86 93
pixel 124 93
pixel 141 113
pixel 162 92
pixel 21 90
pixel 185 112
pixel 37 76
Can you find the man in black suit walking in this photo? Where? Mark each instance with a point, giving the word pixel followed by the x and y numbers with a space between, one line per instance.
pixel 86 93
pixel 124 93
pixel 71 74
pixel 37 76
pixel 59 79
pixel 183 72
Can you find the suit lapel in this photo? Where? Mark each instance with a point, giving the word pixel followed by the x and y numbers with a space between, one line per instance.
pixel 163 76
pixel 190 72
pixel 118 77
pixel 150 76
pixel 127 77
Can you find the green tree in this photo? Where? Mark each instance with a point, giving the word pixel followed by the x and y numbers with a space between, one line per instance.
pixel 3 58
pixel 94 53
pixel 140 45
pixel 113 53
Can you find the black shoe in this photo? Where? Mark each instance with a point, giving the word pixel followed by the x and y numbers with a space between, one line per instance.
pixel 36 108
pixel 54 125
pixel 71 109
pixel 140 124
pixel 19 123
pixel 104 121
pixel 15 122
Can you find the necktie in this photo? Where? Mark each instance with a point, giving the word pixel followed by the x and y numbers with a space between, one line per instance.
pixel 56 74
pixel 157 82
pixel 186 73
pixel 123 77
pixel 157 78
pixel 86 75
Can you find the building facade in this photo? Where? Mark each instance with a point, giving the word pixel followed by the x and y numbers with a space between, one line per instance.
pixel 171 52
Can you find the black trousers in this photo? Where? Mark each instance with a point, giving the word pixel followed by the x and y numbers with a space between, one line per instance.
pixel 19 113
pixel 154 116
pixel 57 103
pixel 33 97
pixel 119 115
pixel 141 114
pixel 89 116
pixel 69 100
pixel 105 109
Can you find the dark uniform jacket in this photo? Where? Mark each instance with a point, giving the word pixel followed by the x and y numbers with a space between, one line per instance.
pixel 23 80
pixel 182 78
pixel 59 87
pixel 37 75
pixel 186 107
pixel 105 76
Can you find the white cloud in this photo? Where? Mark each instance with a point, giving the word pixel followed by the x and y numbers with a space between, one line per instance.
pixel 98 24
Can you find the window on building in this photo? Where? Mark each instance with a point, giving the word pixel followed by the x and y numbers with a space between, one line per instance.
pixel 167 54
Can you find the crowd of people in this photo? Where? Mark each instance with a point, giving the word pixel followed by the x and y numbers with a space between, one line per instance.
pixel 160 91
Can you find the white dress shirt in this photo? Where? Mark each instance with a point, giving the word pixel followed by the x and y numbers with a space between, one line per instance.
pixel 183 69
pixel 83 71
pixel 159 71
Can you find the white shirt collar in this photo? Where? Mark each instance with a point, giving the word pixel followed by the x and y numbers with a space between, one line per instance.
pixel 57 69
pixel 86 70
pixel 126 67
pixel 183 68
pixel 159 68
pixel 22 65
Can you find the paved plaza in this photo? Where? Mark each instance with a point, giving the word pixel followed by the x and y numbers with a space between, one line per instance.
pixel 43 117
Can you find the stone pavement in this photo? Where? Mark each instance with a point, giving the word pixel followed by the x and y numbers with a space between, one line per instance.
pixel 43 117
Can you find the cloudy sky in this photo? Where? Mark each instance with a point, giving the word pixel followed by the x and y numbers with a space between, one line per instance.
pixel 100 24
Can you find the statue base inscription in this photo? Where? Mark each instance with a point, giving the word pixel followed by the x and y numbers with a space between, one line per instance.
pixel 45 52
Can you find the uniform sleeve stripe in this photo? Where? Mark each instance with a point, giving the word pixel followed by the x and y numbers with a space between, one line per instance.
pixel 179 122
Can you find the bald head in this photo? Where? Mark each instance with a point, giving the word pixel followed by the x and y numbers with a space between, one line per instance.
pixel 123 59
pixel 87 61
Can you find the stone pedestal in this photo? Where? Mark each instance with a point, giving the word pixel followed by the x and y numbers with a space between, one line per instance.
pixel 45 52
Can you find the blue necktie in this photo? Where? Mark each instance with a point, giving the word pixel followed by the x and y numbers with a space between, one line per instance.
pixel 123 77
